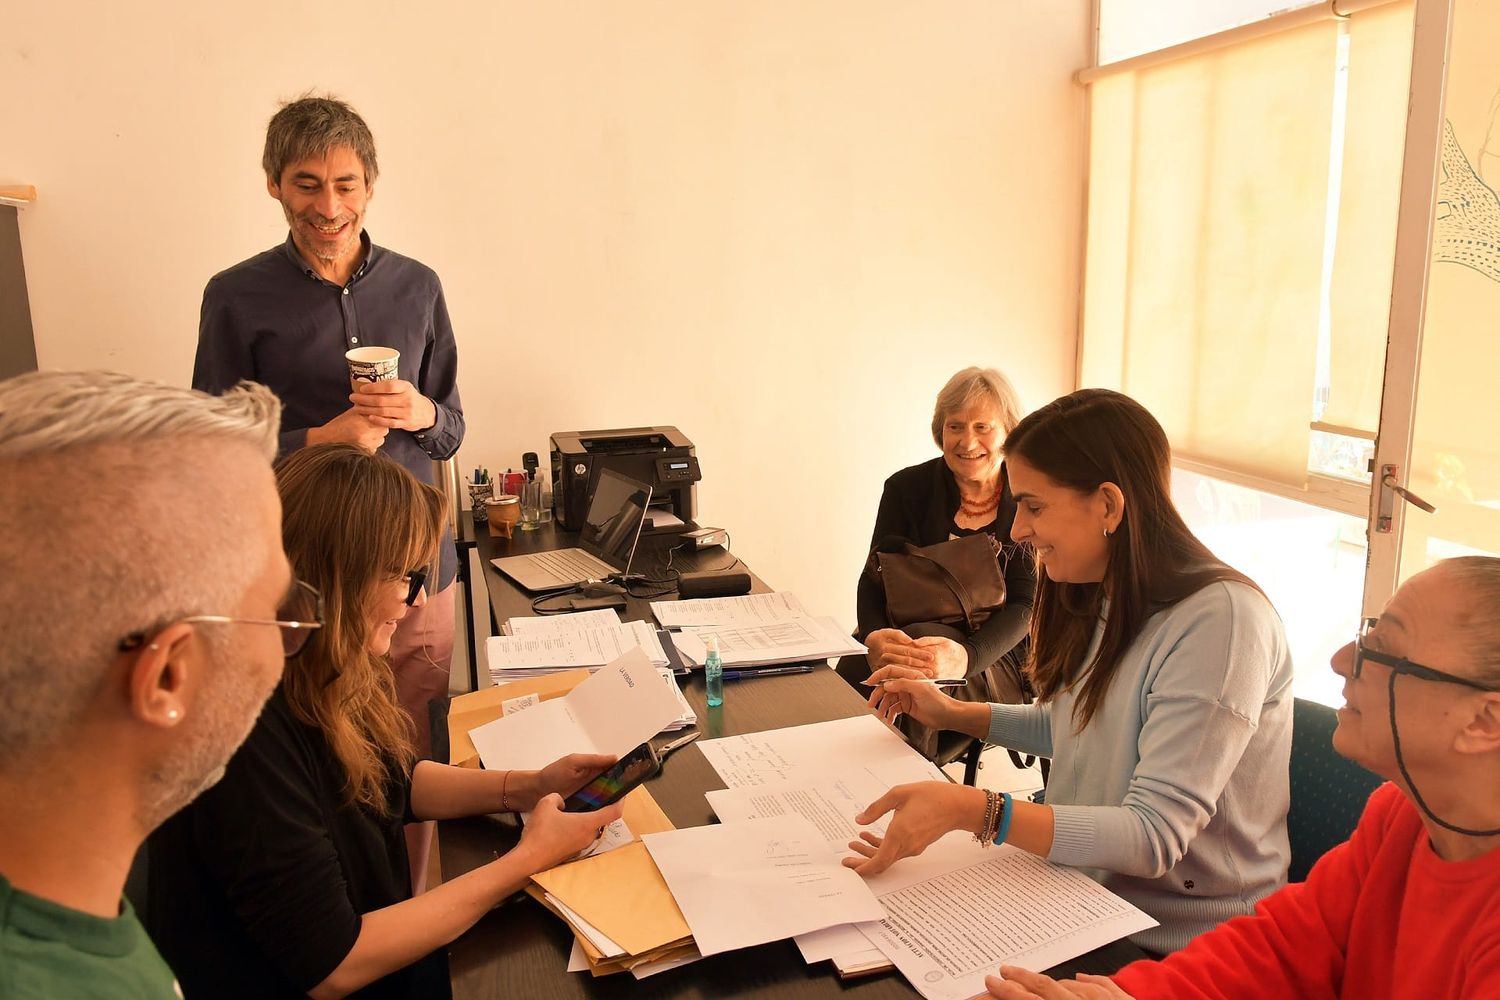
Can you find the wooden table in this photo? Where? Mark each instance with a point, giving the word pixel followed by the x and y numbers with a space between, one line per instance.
pixel 521 951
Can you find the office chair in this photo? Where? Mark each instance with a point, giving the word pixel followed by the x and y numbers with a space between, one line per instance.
pixel 1328 793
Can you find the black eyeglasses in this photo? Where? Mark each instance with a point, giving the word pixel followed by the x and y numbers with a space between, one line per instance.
pixel 300 612
pixel 417 578
pixel 1401 665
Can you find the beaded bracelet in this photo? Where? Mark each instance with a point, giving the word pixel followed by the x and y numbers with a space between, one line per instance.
pixel 1005 814
pixel 982 835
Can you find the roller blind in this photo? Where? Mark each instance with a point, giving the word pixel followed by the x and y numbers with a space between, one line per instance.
pixel 1214 261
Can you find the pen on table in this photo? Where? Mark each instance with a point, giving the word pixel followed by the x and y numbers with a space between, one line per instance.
pixel 736 675
pixel 942 682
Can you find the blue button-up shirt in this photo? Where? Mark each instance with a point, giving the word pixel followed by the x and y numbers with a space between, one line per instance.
pixel 274 320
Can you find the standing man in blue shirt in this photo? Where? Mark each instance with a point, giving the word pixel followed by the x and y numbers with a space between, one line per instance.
pixel 286 317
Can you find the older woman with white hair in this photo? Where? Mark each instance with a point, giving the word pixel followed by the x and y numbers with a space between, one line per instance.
pixel 961 492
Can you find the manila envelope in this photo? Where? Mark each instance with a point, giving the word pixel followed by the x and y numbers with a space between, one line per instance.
pixel 622 893
pixel 472 710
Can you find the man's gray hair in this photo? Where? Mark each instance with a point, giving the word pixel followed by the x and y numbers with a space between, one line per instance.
pixel 114 519
pixel 972 385
pixel 1477 623
pixel 311 126
pixel 45 413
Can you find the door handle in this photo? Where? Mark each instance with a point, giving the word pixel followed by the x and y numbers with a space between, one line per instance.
pixel 1390 488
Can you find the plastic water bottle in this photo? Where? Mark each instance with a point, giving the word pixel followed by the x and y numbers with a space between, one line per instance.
pixel 713 673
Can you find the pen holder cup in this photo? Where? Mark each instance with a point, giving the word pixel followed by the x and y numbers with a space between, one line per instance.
pixel 503 512
pixel 478 494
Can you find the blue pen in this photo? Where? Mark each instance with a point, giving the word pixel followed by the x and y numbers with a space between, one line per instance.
pixel 738 675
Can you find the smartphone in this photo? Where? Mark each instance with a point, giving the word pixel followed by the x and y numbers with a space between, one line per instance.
pixel 610 786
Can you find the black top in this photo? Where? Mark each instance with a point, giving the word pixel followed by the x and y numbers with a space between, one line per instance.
pixel 919 504
pixel 274 320
pixel 256 889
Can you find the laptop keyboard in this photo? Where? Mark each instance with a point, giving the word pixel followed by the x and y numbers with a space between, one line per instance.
pixel 570 566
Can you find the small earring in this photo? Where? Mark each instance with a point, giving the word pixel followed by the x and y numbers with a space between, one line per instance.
pixel 154 647
pixel 1106 532
pixel 173 714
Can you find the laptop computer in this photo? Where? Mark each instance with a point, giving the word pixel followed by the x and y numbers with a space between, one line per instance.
pixel 611 528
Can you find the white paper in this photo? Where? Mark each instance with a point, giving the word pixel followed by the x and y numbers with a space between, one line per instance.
pixel 513 656
pixel 743 884
pixel 806 754
pixel 686 717
pixel 616 834
pixel 513 705
pixel 831 942
pixel 619 707
pixel 789 641
pixel 578 961
pixel 830 805
pixel 646 969
pixel 749 609
pixel 574 621
pixel 596 937
pixel 946 933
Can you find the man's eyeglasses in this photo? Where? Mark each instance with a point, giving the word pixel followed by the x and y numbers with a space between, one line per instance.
pixel 300 612
pixel 416 578
pixel 1401 665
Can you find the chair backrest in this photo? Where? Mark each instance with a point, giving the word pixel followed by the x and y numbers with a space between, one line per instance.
pixel 1328 792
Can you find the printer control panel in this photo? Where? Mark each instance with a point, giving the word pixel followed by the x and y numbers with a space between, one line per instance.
pixel 677 469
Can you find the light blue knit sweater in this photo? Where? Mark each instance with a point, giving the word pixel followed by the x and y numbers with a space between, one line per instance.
pixel 1175 795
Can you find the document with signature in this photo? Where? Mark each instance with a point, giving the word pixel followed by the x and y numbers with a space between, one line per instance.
pixel 743 884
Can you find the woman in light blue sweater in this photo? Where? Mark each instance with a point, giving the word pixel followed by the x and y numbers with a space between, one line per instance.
pixel 1164 682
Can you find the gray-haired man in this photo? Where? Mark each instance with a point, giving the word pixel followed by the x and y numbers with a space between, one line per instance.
pixel 142 627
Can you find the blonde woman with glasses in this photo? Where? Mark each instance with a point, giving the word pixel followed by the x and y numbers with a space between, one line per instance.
pixel 290 878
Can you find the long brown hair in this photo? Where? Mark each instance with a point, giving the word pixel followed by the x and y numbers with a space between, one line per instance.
pixel 352 522
pixel 1082 441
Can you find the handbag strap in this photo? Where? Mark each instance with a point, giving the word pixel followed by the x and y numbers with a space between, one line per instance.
pixel 954 584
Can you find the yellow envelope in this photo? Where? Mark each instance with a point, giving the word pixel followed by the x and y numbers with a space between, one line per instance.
pixel 472 710
pixel 622 893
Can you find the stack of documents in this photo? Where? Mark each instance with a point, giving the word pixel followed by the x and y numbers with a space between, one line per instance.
pixel 794 641
pixel 538 646
pixel 953 914
pixel 617 905
pixel 756 630
pixel 750 609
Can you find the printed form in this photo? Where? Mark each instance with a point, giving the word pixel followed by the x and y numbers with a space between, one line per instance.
pixel 957 911
pixel 513 656
pixel 749 609
pixel 773 642
pixel 947 932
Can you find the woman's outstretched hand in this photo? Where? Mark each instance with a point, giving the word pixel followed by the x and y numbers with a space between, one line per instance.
pixel 924 811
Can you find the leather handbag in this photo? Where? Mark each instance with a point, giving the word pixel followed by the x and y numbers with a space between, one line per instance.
pixel 958 582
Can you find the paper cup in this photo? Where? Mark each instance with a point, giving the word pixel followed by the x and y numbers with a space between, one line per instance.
pixel 372 364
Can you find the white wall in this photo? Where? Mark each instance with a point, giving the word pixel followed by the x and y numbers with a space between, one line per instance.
pixel 777 225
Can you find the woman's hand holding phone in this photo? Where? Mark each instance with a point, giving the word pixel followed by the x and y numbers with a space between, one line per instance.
pixel 553 836
pixel 568 774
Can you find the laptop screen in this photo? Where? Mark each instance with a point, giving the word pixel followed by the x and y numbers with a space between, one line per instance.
pixel 616 512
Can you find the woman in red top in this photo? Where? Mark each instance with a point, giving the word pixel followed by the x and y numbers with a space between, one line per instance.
pixel 1409 906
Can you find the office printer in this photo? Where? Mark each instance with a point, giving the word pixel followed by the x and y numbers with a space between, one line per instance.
pixel 659 456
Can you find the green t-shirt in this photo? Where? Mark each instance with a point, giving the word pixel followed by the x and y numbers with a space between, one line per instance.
pixel 48 952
